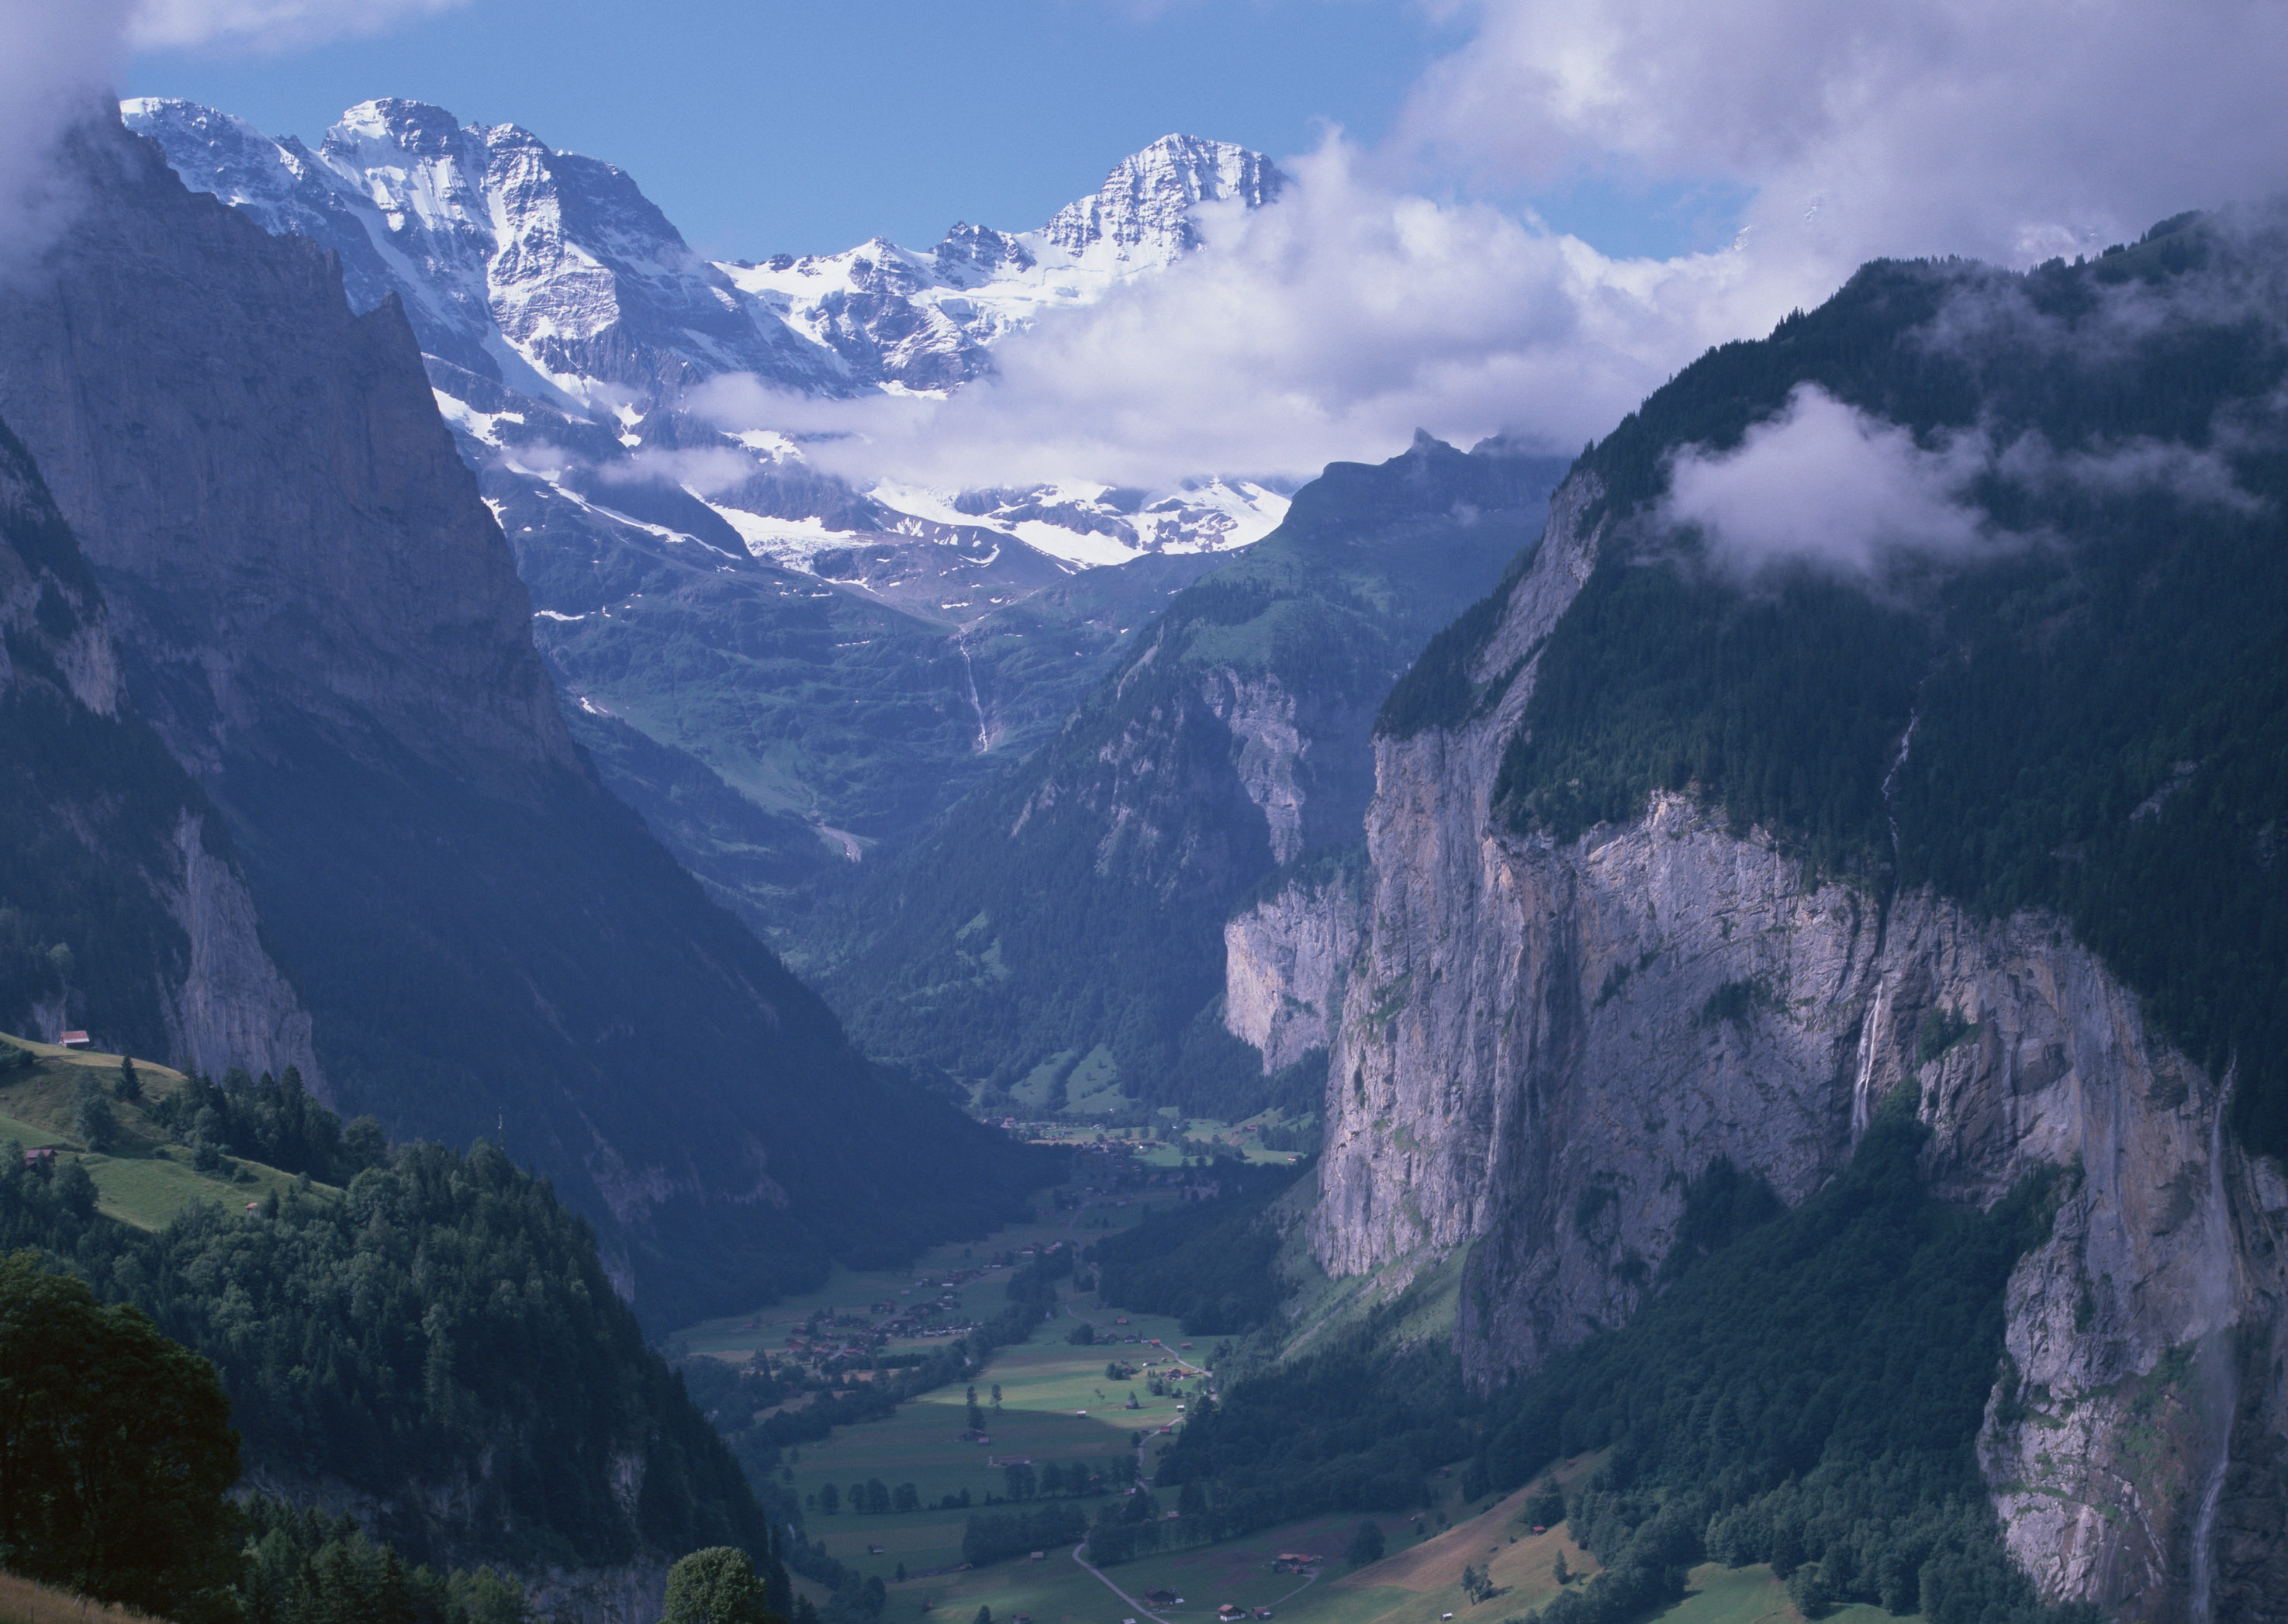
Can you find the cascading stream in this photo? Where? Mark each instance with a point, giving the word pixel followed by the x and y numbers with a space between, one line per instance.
pixel 1890 812
pixel 2221 1375
pixel 969 674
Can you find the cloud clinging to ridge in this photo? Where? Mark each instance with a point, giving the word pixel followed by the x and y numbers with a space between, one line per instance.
pixel 1330 325
pixel 59 60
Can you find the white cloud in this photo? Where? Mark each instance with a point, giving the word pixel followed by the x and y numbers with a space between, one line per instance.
pixel 59 59
pixel 2196 476
pixel 1338 322
pixel 1330 325
pixel 708 470
pixel 1826 484
pixel 55 62
pixel 1823 483
pixel 268 25
pixel 2011 131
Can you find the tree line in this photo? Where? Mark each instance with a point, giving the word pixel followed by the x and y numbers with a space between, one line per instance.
pixel 439 1332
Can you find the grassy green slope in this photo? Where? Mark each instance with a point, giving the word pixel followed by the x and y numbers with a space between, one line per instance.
pixel 144 1177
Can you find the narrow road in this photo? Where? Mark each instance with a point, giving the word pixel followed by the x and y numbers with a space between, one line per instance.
pixel 1141 1610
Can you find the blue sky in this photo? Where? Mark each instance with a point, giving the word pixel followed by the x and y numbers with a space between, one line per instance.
pixel 1725 161
pixel 762 126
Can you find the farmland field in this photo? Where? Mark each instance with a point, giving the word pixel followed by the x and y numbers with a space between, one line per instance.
pixel 1057 1404
pixel 145 1179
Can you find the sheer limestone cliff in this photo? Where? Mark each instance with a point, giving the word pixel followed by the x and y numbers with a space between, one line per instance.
pixel 1543 1044
pixel 1287 965
pixel 167 957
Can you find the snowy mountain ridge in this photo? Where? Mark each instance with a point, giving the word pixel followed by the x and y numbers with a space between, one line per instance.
pixel 549 276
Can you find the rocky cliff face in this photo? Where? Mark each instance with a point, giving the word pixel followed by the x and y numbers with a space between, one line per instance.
pixel 1287 965
pixel 110 858
pixel 1542 1044
pixel 325 626
pixel 1082 901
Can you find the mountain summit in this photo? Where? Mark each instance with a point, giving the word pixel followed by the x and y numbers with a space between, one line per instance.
pixel 566 324
pixel 1147 202
pixel 553 273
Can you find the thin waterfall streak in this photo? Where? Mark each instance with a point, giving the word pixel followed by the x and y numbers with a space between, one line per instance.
pixel 969 674
pixel 1891 812
pixel 2222 1376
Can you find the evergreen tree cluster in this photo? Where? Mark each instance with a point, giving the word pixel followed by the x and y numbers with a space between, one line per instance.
pixel 273 1120
pixel 1209 1264
pixel 996 1536
pixel 301 1565
pixel 115 1452
pixel 440 1333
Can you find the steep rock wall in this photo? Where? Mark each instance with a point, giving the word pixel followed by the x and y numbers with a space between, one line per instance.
pixel 1544 1044
pixel 205 993
pixel 1287 962
pixel 233 1007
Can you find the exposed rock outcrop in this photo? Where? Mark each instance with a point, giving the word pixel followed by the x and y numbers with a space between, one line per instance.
pixel 1287 963
pixel 1543 1044
pixel 166 953
pixel 233 1007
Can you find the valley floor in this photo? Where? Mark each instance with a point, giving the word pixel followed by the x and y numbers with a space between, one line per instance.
pixel 1057 1404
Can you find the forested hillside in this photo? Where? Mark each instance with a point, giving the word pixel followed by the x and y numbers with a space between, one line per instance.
pixel 1806 1393
pixel 2098 706
pixel 436 1343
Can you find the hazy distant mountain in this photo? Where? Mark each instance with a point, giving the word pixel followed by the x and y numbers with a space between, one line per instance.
pixel 779 670
pixel 318 616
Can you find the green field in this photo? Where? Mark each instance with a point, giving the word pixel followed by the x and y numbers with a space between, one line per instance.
pixel 1057 1404
pixel 145 1179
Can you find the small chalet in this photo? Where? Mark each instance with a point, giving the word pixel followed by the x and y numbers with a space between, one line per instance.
pixel 74 1040
pixel 45 1156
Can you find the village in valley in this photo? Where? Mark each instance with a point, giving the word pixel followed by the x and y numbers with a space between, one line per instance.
pixel 1079 1415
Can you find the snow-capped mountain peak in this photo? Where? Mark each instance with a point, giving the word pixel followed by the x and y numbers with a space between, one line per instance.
pixel 1144 209
pixel 550 277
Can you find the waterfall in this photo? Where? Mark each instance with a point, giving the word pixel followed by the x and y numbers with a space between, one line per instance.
pixel 969 671
pixel 2219 1373
pixel 1890 812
